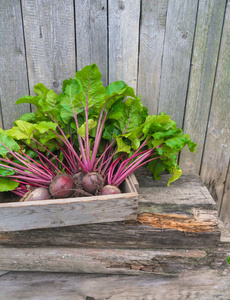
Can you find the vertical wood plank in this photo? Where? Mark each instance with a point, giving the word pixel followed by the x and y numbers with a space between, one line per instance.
pixel 123 40
pixel 13 79
pixel 204 60
pixel 50 41
pixel 225 206
pixel 180 26
pixel 216 151
pixel 91 34
pixel 152 32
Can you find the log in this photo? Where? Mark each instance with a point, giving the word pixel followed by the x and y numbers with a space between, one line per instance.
pixel 107 261
pixel 202 284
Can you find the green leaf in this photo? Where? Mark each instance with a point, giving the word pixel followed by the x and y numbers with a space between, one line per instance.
pixel 121 146
pixel 41 90
pixel 91 90
pixel 82 130
pixel 9 142
pixel 6 171
pixel 30 117
pixel 26 128
pixel 228 260
pixel 44 126
pixel 28 99
pixel 177 143
pixel 177 174
pixel 16 133
pixel 7 184
pixel 48 104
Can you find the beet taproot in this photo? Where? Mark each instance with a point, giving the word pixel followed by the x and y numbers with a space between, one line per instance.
pixel 39 193
pixel 110 190
pixel 93 182
pixel 62 186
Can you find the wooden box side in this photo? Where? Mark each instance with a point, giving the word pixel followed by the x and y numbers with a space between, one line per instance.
pixel 70 211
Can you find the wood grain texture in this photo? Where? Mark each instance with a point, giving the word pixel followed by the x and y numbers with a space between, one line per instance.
pixel 152 32
pixel 152 231
pixel 225 206
pixel 204 61
pixel 185 211
pixel 50 42
pixel 91 35
pixel 24 216
pixel 180 26
pixel 202 284
pixel 13 79
pixel 217 145
pixel 123 40
pixel 105 261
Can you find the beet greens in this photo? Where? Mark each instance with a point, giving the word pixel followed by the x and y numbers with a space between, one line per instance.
pixel 87 128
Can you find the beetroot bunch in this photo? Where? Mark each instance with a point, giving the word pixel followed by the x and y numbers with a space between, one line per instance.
pixel 86 141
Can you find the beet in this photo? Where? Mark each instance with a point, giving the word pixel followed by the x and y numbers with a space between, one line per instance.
pixel 110 190
pixel 93 182
pixel 36 194
pixel 62 186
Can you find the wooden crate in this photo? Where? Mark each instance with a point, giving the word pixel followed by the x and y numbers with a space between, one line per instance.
pixel 71 211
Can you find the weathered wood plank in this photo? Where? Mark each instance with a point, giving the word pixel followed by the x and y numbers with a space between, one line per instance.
pixel 123 40
pixel 50 42
pixel 217 145
pixel 13 79
pixel 180 26
pixel 104 261
pixel 204 61
pixel 65 212
pixel 3 272
pixel 202 284
pixel 225 206
pixel 91 35
pixel 185 211
pixel 152 32
pixel 152 231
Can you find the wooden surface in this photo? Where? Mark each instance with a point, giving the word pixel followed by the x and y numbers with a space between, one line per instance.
pixel 70 211
pixel 217 144
pixel 202 284
pixel 185 210
pixel 50 42
pixel 152 34
pixel 123 25
pixel 110 261
pixel 180 26
pixel 176 53
pixel 91 35
pixel 204 60
pixel 13 79
pixel 225 208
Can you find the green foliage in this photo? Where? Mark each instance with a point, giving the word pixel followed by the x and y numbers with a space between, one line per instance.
pixel 127 124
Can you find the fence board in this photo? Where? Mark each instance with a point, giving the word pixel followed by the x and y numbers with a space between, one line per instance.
pixel 204 60
pixel 152 32
pixel 225 207
pixel 216 152
pixel 13 79
pixel 123 40
pixel 50 41
pixel 91 34
pixel 180 25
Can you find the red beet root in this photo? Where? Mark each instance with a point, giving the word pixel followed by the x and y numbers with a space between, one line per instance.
pixel 92 182
pixel 39 193
pixel 62 186
pixel 110 190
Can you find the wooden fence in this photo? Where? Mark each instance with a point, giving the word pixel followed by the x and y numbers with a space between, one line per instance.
pixel 175 53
